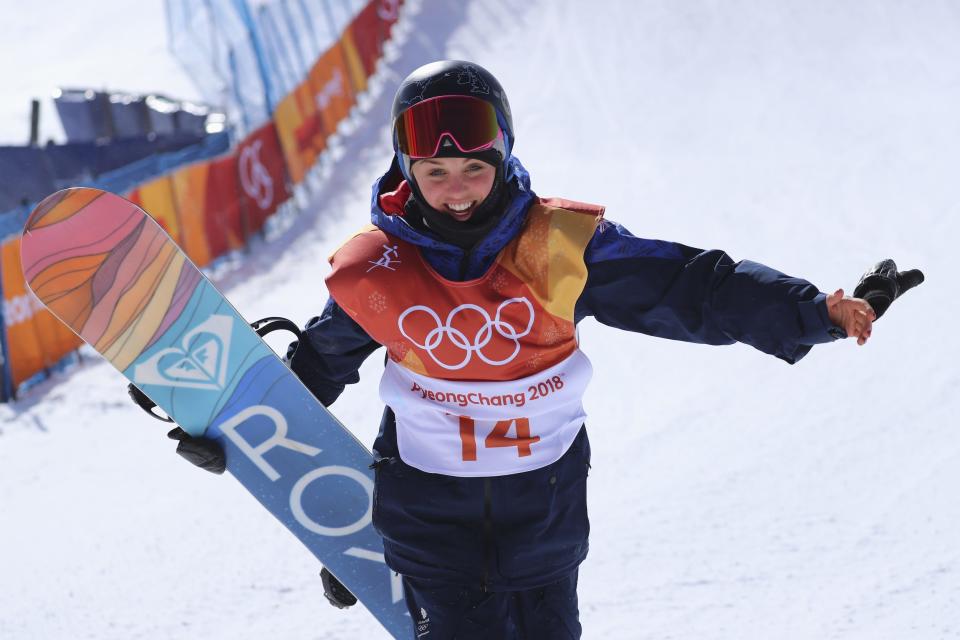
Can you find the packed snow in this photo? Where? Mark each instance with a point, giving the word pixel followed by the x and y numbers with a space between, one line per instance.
pixel 732 496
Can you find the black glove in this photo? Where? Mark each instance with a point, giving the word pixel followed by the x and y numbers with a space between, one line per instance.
pixel 338 595
pixel 203 452
pixel 208 454
pixel 883 284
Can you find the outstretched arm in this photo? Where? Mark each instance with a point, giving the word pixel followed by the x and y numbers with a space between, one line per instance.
pixel 673 291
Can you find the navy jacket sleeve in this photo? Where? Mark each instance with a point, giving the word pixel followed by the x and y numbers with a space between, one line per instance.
pixel 673 291
pixel 340 346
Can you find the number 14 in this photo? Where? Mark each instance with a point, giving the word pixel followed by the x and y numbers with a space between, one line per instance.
pixel 498 437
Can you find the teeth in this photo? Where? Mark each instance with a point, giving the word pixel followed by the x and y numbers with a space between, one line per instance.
pixel 462 206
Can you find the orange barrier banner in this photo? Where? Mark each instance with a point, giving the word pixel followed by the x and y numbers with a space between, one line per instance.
pixel 213 207
pixel 332 91
pixel 351 56
pixel 156 198
pixel 207 195
pixel 299 130
pixel 35 338
pixel 221 207
pixel 388 11
pixel 365 30
pixel 261 175
pixel 370 29
pixel 189 193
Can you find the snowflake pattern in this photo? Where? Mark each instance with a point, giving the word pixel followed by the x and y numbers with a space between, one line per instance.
pixel 536 247
pixel 553 335
pixel 499 281
pixel 377 302
pixel 534 362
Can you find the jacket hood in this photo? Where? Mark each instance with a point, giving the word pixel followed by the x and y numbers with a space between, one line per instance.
pixel 386 212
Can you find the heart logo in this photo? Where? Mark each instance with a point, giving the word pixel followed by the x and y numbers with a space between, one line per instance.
pixel 200 363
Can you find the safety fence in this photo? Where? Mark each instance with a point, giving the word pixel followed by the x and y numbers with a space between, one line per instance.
pixel 214 206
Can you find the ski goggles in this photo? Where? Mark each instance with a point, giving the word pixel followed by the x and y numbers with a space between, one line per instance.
pixel 470 122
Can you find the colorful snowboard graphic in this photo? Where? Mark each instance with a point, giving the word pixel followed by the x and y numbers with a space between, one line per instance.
pixel 111 273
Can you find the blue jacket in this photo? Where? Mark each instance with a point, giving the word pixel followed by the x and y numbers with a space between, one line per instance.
pixel 529 529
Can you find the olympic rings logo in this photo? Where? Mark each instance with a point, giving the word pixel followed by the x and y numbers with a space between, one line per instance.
pixel 480 339
pixel 254 176
pixel 388 10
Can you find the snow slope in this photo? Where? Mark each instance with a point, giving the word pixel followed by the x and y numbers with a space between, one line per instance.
pixel 732 495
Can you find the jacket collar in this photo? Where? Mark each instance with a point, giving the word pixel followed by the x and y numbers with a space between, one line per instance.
pixel 390 193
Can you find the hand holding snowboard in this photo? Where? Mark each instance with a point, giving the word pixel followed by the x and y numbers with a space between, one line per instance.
pixel 209 455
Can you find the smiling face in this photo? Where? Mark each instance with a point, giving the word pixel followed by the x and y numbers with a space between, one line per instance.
pixel 455 186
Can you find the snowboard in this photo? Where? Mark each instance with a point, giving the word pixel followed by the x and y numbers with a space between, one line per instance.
pixel 112 274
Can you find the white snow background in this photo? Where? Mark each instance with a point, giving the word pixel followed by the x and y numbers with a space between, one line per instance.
pixel 732 496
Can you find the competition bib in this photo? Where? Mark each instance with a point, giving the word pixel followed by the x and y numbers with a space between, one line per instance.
pixel 484 376
pixel 487 428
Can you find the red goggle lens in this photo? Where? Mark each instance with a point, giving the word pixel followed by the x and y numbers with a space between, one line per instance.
pixel 470 122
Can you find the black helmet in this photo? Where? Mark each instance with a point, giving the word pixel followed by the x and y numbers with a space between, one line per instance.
pixel 452 78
